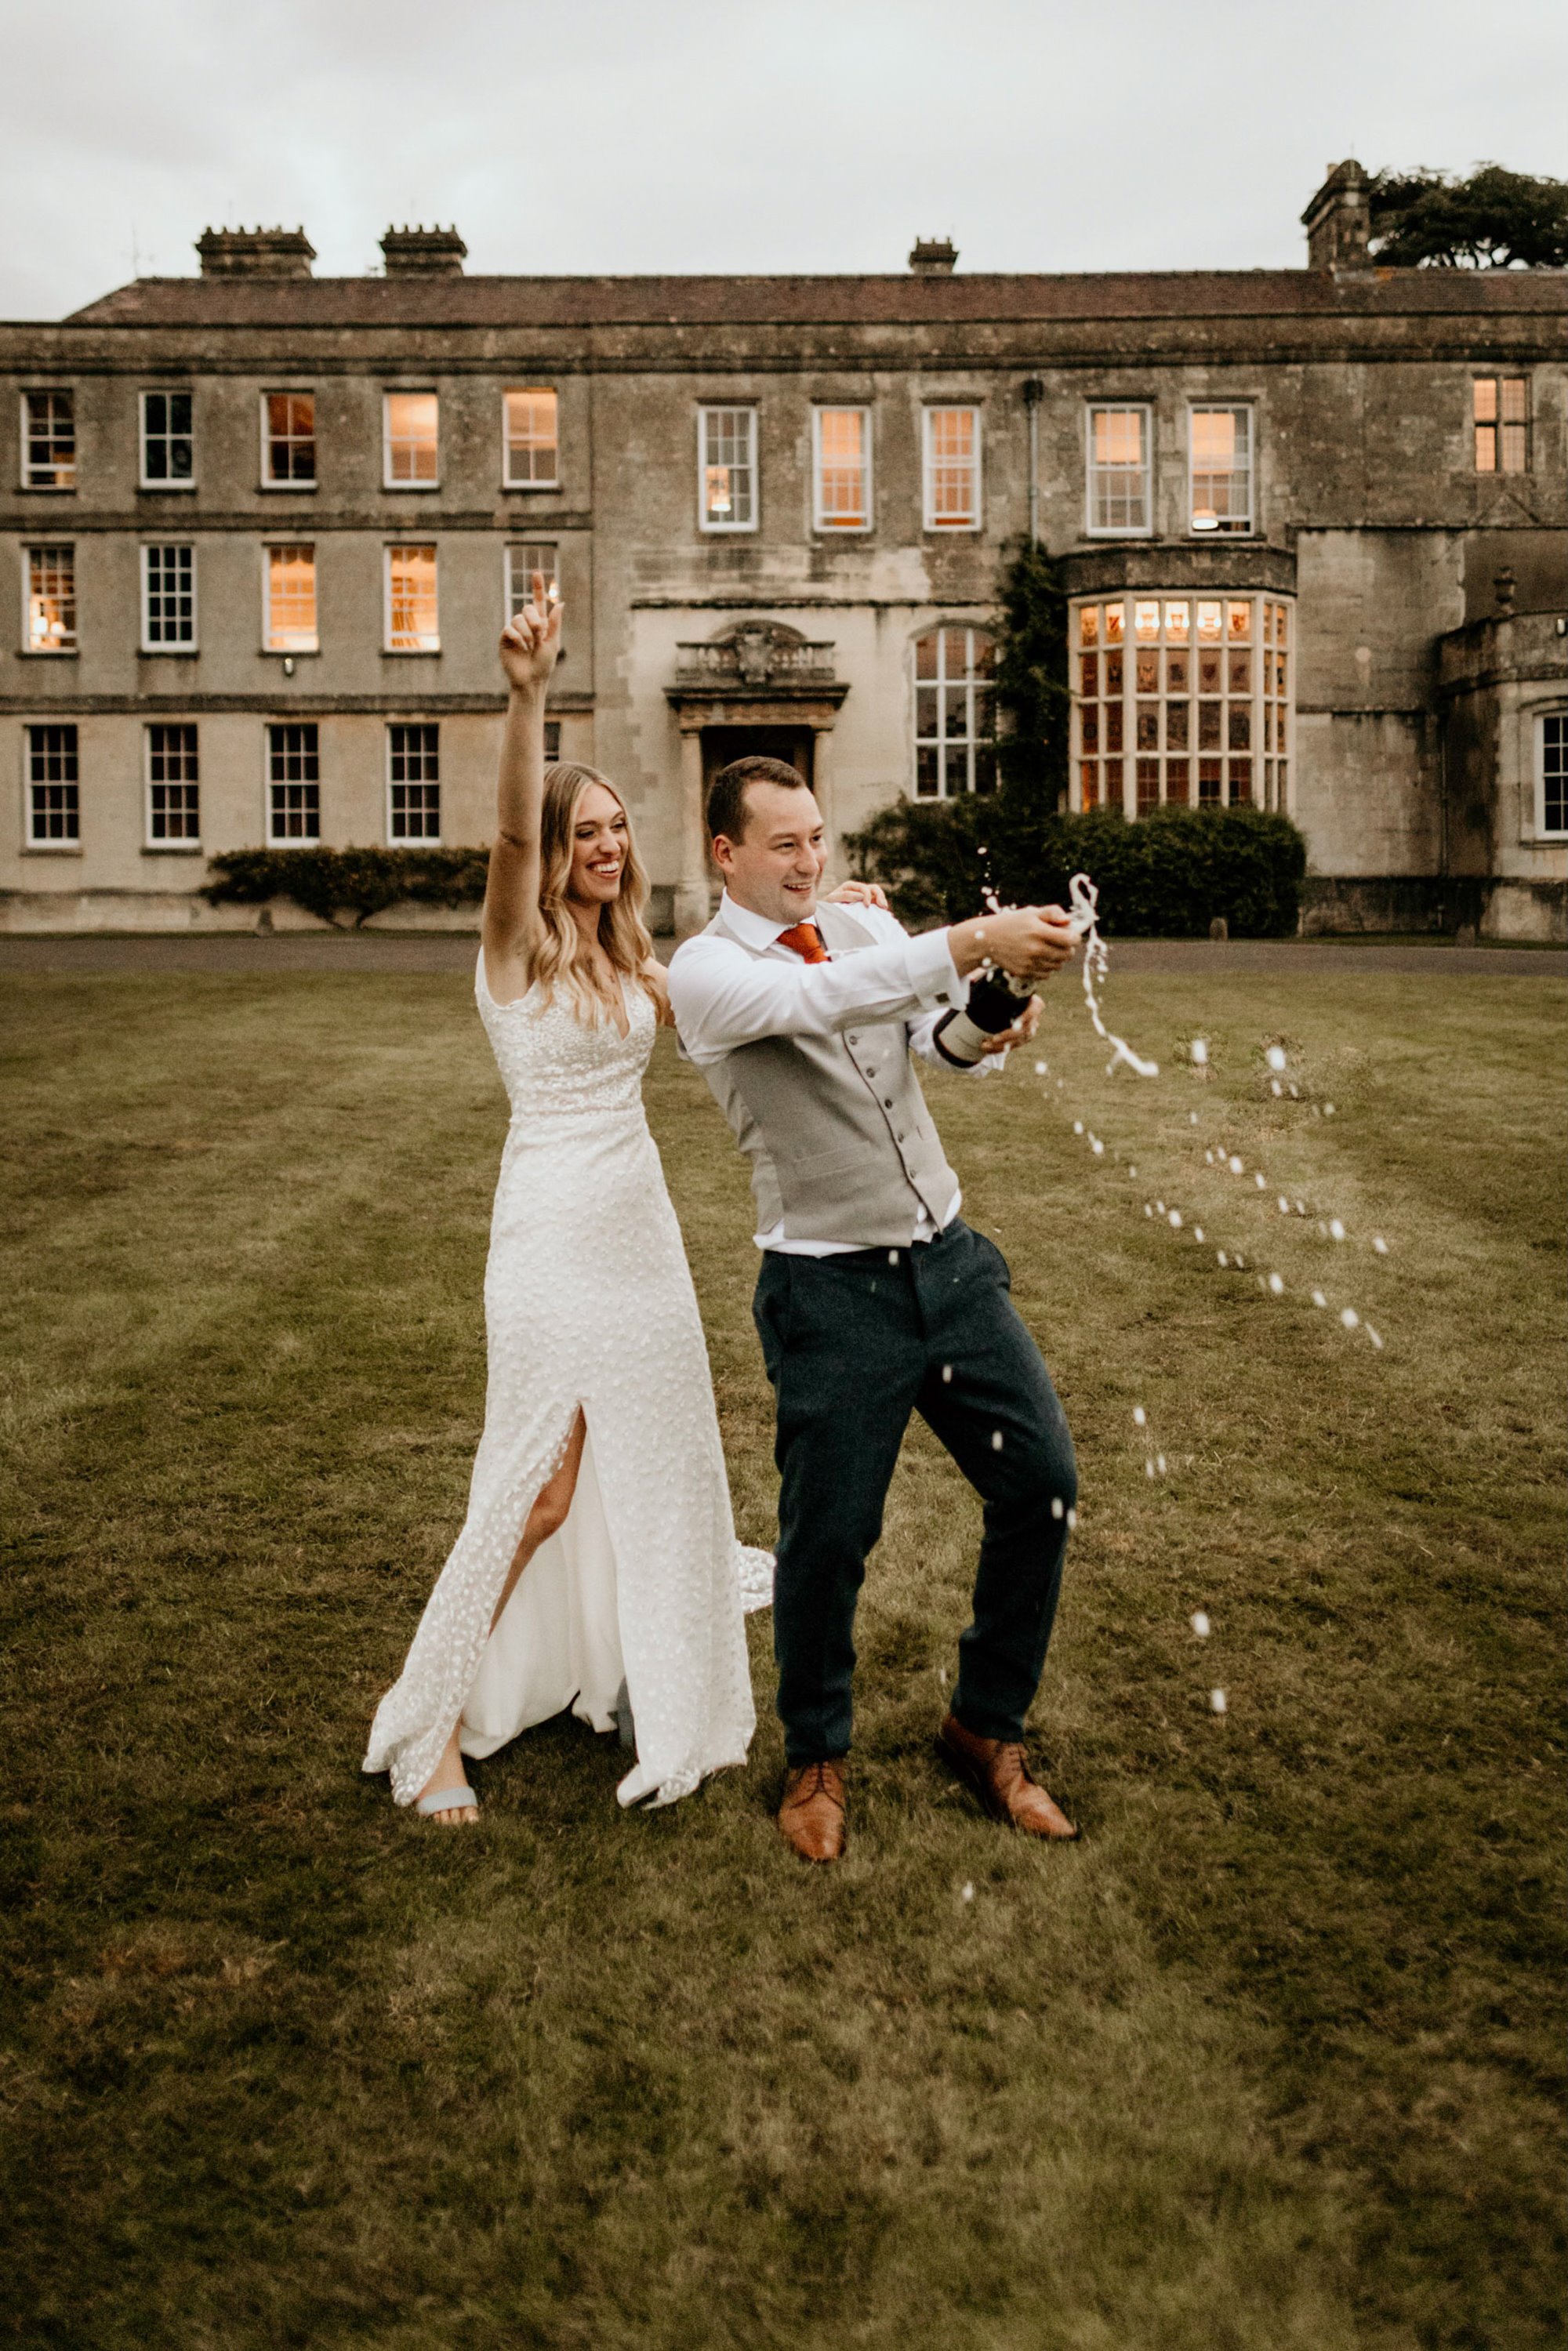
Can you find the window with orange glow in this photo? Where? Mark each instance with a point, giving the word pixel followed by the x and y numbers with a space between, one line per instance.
pixel 290 600
pixel 51 599
pixel 410 440
pixel 412 621
pixel 952 468
pixel 1181 702
pixel 1119 470
pixel 1500 404
pixel 1220 476
pixel 843 469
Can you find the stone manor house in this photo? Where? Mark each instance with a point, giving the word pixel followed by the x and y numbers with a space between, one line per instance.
pixel 263 529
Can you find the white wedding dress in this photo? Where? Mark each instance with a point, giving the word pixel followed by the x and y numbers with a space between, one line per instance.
pixel 587 1302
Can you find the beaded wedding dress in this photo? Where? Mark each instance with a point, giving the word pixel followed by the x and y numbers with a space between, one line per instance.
pixel 587 1302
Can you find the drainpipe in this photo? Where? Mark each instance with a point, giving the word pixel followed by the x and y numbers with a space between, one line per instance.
pixel 1033 392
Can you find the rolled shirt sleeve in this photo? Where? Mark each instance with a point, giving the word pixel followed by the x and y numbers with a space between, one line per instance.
pixel 723 997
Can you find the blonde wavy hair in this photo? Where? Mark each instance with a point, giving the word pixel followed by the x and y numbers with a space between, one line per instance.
pixel 559 960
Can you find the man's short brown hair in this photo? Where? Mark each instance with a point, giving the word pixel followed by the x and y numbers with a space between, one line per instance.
pixel 727 793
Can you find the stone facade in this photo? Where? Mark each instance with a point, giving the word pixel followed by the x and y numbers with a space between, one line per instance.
pixel 1387 618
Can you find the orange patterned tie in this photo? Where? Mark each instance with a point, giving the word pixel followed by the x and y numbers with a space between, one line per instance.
pixel 806 941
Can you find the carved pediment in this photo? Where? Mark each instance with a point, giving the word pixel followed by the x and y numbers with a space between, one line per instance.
pixel 756 653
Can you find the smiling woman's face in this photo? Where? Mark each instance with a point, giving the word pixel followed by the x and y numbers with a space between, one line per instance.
pixel 598 848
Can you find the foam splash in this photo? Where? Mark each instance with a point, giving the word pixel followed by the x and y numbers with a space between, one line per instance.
pixel 1084 917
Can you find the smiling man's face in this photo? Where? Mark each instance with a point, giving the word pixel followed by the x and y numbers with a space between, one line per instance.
pixel 775 868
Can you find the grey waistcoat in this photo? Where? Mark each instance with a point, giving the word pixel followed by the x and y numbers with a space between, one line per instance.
pixel 842 1146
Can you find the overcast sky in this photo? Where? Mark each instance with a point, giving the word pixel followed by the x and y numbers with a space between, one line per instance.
pixel 626 135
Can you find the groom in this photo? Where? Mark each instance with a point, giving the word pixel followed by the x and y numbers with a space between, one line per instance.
pixel 874 1299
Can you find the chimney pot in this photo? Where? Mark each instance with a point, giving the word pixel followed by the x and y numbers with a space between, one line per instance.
pixel 933 256
pixel 255 252
pixel 423 252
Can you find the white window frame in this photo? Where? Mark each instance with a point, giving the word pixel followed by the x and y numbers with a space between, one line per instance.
pixel 270 548
pixel 268 480
pixel 155 482
pixel 44 391
pixel 514 596
pixel 536 482
pixel 420 840
pixel 930 518
pixel 407 547
pixel 1149 628
pixel 407 391
pixel 184 648
pixel 1538 724
pixel 748 409
pixel 186 844
pixel 1143 408
pixel 1248 409
pixel 65 650
pixel 973 683
pixel 842 529
pixel 62 846
pixel 288 840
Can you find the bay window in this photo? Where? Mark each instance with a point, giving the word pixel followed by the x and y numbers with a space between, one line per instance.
pixel 1181 701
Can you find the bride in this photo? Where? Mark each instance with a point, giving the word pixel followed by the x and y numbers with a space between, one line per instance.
pixel 598 1566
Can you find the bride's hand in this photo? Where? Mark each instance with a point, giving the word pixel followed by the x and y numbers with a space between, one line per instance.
pixel 531 641
pixel 858 893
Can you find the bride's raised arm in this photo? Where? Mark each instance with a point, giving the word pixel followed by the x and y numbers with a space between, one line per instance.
pixel 529 644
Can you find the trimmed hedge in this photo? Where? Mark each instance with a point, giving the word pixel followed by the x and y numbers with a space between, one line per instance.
pixel 1167 876
pixel 332 882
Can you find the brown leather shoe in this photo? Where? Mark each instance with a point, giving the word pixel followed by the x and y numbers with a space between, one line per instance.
pixel 811 1816
pixel 997 1771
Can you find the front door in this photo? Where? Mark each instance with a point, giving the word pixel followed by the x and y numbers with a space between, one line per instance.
pixel 793 744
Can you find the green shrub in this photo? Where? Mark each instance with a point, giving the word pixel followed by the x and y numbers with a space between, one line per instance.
pixel 1168 876
pixel 332 882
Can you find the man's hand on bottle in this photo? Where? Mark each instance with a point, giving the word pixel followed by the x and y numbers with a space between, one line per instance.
pixel 1020 1033
pixel 1028 942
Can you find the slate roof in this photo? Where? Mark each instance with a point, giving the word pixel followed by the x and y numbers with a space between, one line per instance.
pixel 903 301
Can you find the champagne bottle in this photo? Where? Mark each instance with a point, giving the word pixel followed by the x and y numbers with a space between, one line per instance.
pixel 995 1003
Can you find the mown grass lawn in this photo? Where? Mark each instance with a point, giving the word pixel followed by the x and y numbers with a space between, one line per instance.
pixel 1270 2061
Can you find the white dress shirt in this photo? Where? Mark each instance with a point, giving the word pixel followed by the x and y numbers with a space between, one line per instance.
pixel 723 997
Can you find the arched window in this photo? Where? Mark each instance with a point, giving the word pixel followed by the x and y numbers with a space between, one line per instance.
pixel 955 714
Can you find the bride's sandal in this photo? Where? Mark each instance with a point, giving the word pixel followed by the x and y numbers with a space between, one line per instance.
pixel 448 1800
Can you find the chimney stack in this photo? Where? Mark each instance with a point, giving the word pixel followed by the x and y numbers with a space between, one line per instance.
pixel 1338 221
pixel 933 256
pixel 423 252
pixel 255 252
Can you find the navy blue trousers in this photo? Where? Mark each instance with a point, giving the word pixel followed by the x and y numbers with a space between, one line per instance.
pixel 853 1344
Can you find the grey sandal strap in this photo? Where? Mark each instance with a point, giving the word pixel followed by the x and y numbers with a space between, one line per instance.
pixel 446 1799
